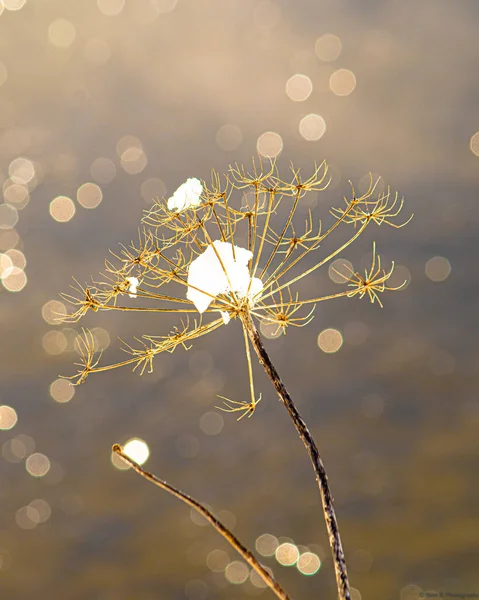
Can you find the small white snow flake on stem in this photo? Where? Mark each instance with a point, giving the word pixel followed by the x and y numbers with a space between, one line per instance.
pixel 221 269
pixel 188 194
pixel 133 284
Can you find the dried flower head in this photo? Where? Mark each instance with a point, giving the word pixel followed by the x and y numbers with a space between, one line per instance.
pixel 232 250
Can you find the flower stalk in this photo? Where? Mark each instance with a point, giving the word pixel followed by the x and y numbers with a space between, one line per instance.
pixel 340 569
pixel 204 512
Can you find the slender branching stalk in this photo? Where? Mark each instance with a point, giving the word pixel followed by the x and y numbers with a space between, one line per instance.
pixel 237 249
pixel 220 528
pixel 342 580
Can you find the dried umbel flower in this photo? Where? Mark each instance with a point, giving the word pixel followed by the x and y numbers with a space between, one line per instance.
pixel 234 250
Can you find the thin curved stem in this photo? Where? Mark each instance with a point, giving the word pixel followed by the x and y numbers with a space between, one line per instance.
pixel 342 581
pixel 220 528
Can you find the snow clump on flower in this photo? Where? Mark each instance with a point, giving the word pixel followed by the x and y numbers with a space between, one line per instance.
pixel 219 270
pixel 132 287
pixel 188 194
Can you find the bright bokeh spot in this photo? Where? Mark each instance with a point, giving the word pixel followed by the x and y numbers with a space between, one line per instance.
pixel 15 281
pixel 53 312
pixel 111 8
pixel 438 268
pixel 267 544
pixel 17 257
pixel 61 33
pixel 103 170
pixel 54 342
pixel 258 581
pixel 269 144
pixel 287 554
pixel 211 423
pixel 330 340
pixel 62 209
pixel 342 82
pixel 229 137
pixel 299 87
pixel 13 4
pixel 137 450
pixel 6 265
pixel 308 563
pixel 312 127
pixel 126 142
pixel 237 572
pixel 328 47
pixel 340 270
pixel 8 417
pixel 37 464
pixel 61 390
pixel 474 143
pixel 89 195
pixel 21 170
pixel 16 194
pixel 271 331
pixel 8 216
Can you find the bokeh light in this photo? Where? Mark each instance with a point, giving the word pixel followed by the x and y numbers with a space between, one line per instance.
pixel 137 449
pixel 330 340
pixel 312 127
pixel 62 209
pixel 342 82
pixel 8 417
pixel 217 560
pixel 111 8
pixel 266 544
pixel 328 47
pixel 89 195
pixel 474 143
pixel 237 572
pixel 152 189
pixel 211 423
pixel 53 312
pixel 438 269
pixel 340 270
pixel 103 170
pixel 308 563
pixel 21 170
pixel 269 144
pixel 37 464
pixel 287 554
pixel 16 194
pixel 6 265
pixel 40 510
pixel 299 87
pixel 8 216
pixel 229 137
pixel 54 342
pixel 15 281
pixel 13 4
pixel 61 33
pixel 61 390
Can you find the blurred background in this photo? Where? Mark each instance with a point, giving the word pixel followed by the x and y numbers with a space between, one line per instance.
pixel 108 104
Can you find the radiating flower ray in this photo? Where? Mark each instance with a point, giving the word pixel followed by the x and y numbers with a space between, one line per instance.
pixel 250 210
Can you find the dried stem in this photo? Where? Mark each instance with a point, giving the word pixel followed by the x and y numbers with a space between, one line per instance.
pixel 220 528
pixel 342 581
